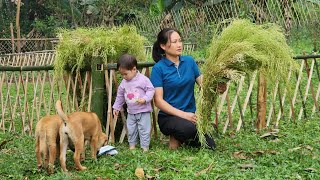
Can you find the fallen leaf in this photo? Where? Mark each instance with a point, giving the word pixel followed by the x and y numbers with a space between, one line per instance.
pixel 258 153
pixel 157 170
pixel 274 130
pixel 204 171
pixel 272 134
pixel 139 173
pixel 294 149
pixel 275 140
pixel 246 166
pixel 240 155
pixel 150 177
pixel 273 152
pixel 310 169
pixel 4 142
pixel 118 166
pixel 175 169
pixel 308 147
pixel 232 135
pixel 189 158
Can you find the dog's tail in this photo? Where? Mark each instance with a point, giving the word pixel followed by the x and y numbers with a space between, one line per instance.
pixel 61 113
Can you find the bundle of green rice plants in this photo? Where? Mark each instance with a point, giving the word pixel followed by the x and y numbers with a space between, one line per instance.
pixel 241 48
pixel 78 47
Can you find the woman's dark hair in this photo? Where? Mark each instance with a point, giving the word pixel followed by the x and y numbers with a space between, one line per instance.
pixel 127 61
pixel 163 37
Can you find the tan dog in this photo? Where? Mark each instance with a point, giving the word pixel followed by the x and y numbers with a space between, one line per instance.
pixel 79 127
pixel 47 141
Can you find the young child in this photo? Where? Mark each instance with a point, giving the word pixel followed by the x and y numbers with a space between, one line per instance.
pixel 136 90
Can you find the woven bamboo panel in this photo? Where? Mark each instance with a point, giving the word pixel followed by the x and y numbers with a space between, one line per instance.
pixel 26 96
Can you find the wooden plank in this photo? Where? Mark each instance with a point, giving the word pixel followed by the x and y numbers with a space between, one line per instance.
pixel 244 107
pixel 90 93
pixel 309 73
pixel 109 112
pixel 306 91
pixel 74 84
pixel 317 98
pixel 282 100
pixel 84 91
pixel 229 112
pixel 124 129
pixel 2 104
pixel 51 95
pixel 153 114
pixel 297 88
pixel 272 106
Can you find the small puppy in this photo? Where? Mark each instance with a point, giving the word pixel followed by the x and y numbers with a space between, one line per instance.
pixel 47 141
pixel 79 127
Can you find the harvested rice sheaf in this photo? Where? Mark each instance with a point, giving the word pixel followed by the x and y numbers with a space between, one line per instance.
pixel 241 48
pixel 78 47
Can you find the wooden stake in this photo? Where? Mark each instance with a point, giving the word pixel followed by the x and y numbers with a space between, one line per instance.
pixel 306 92
pixel 261 103
pixel 247 98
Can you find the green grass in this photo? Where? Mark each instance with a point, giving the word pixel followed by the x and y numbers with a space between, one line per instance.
pixel 267 158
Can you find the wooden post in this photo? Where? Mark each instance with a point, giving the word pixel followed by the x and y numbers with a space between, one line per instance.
pixel 261 103
pixel 98 88
pixel 12 37
pixel 18 25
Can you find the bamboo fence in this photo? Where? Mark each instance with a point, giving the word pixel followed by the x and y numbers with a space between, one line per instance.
pixel 26 44
pixel 29 92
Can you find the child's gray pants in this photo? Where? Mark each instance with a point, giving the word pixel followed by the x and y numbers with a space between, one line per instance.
pixel 139 124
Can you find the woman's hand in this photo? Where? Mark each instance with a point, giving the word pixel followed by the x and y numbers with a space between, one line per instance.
pixel 190 117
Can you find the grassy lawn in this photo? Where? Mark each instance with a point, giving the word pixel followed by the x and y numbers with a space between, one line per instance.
pixel 293 153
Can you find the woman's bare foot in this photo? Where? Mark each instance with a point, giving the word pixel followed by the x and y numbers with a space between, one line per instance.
pixel 173 143
pixel 132 147
pixel 145 149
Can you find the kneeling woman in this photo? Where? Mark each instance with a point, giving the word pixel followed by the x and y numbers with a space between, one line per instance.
pixel 174 77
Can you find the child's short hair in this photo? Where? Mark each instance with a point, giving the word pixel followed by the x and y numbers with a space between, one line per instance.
pixel 127 61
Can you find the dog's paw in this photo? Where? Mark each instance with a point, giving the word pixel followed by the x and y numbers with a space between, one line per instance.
pixel 82 168
pixel 50 169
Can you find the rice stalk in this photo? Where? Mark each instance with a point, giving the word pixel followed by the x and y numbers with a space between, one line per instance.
pixel 239 50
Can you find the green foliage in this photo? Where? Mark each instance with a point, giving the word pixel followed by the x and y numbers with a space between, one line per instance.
pixel 78 47
pixel 49 26
pixel 240 49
